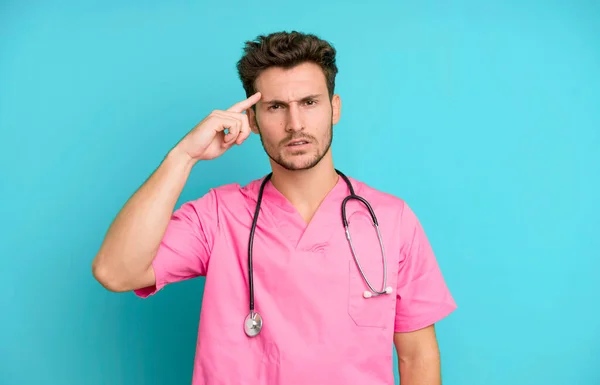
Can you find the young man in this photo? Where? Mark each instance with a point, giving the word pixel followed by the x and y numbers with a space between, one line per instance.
pixel 314 318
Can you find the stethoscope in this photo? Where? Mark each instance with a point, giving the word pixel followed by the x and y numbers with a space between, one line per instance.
pixel 254 322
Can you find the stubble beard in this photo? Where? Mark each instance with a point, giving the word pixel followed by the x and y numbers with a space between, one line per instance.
pixel 291 164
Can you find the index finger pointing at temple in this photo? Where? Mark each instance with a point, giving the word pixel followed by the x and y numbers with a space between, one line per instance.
pixel 245 104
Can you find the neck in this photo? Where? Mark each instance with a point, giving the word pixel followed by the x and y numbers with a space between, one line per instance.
pixel 305 189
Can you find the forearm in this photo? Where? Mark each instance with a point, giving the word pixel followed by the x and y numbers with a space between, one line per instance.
pixel 133 238
pixel 420 370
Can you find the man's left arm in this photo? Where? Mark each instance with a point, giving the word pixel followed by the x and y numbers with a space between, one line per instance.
pixel 422 300
pixel 418 357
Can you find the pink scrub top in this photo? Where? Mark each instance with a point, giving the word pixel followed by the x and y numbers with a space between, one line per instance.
pixel 318 328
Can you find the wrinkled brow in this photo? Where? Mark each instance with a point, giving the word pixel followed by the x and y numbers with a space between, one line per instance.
pixel 304 99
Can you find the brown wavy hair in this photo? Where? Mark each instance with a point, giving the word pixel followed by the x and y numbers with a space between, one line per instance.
pixel 286 50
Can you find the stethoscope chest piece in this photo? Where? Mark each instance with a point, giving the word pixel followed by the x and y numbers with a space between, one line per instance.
pixel 369 294
pixel 253 324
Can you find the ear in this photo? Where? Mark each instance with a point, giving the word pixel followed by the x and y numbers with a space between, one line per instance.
pixel 252 120
pixel 336 106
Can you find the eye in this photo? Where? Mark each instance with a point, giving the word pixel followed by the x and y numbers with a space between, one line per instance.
pixel 311 102
pixel 274 107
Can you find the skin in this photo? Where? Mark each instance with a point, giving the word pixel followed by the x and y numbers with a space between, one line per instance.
pixel 418 357
pixel 290 104
pixel 295 104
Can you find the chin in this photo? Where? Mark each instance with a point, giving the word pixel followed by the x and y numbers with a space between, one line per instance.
pixel 298 167
pixel 296 161
pixel 304 162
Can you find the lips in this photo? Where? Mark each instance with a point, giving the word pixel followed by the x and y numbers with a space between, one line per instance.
pixel 298 142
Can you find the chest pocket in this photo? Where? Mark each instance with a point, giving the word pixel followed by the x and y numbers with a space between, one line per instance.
pixel 377 310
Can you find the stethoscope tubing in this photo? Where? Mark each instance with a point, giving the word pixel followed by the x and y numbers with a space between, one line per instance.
pixel 253 323
pixel 251 241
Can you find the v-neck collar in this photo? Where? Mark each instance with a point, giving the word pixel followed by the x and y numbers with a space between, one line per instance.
pixel 289 222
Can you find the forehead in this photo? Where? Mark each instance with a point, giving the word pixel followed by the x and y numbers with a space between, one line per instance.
pixel 291 83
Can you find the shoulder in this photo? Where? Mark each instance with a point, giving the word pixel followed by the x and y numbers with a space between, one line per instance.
pixel 227 195
pixel 389 204
pixel 377 196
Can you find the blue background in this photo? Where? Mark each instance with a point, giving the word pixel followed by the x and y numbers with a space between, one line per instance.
pixel 483 116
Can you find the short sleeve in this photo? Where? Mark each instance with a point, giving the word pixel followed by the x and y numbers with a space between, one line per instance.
pixel 186 246
pixel 422 295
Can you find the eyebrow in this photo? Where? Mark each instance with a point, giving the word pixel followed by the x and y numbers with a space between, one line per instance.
pixel 308 97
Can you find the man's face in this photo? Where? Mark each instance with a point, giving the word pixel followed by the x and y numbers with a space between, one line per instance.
pixel 295 117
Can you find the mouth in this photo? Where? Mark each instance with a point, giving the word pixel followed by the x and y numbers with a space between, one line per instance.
pixel 297 143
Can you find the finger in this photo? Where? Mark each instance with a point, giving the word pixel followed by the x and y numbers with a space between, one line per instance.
pixel 245 130
pixel 229 123
pixel 244 124
pixel 245 104
pixel 232 116
pixel 233 131
pixel 226 145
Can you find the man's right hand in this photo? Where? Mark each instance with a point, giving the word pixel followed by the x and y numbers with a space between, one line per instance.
pixel 208 139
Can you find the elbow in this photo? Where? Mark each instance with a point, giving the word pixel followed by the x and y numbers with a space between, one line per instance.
pixel 106 277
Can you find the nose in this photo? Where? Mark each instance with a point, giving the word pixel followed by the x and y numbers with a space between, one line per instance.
pixel 295 121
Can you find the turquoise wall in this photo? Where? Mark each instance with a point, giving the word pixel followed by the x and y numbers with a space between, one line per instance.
pixel 484 116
